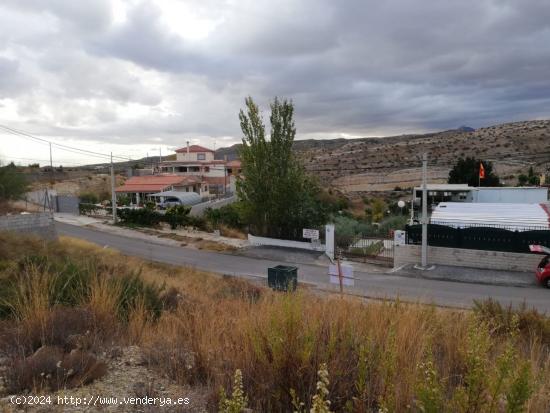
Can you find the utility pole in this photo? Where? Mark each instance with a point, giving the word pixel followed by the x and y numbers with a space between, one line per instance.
pixel 113 193
pixel 424 210
pixel 225 175
pixel 51 164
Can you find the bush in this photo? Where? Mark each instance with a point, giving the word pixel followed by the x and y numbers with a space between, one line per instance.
pixel 13 182
pixel 135 292
pixel 88 198
pixel 142 216
pixel 228 215
pixel 177 216
pixel 85 209
pixel 122 200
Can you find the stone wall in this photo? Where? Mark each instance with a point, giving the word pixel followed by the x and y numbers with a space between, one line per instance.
pixel 495 260
pixel 40 224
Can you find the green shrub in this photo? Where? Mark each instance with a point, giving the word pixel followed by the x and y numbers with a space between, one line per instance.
pixel 177 216
pixel 122 200
pixel 228 215
pixel 142 216
pixel 13 182
pixel 88 198
pixel 85 209
pixel 134 291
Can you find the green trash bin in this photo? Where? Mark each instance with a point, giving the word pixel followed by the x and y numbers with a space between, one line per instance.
pixel 282 278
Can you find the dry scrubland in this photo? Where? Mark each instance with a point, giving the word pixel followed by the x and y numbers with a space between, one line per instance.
pixel 65 304
pixel 381 164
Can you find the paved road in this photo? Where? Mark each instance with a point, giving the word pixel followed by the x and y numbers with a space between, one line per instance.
pixel 374 285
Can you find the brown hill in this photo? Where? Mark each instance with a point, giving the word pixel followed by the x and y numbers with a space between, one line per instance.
pixel 382 164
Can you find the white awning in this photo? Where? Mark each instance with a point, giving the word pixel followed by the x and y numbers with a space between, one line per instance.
pixel 186 198
pixel 519 217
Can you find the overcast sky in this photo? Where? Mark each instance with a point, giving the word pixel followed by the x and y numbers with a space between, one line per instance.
pixel 131 76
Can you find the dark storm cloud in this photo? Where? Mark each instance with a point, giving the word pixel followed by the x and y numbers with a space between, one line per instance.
pixel 351 67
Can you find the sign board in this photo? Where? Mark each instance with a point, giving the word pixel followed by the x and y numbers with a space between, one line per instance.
pixel 310 233
pixel 347 274
pixel 399 237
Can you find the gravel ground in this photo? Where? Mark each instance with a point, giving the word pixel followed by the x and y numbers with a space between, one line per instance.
pixel 127 377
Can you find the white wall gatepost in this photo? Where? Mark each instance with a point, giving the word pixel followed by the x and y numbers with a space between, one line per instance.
pixel 329 241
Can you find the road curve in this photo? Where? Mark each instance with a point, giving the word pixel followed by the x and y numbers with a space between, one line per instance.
pixel 373 285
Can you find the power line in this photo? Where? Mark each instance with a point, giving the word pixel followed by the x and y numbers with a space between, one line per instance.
pixel 39 160
pixel 61 146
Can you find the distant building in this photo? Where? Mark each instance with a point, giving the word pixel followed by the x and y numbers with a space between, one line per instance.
pixel 198 161
pixel 138 188
pixel 438 193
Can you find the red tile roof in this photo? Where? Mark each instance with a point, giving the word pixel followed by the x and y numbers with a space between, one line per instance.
pixel 151 183
pixel 194 148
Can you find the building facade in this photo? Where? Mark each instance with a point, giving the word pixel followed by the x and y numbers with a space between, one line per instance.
pixel 198 161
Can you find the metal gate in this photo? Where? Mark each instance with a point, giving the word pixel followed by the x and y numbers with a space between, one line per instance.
pixel 374 248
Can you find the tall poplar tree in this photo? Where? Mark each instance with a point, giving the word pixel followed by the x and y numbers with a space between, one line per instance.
pixel 278 199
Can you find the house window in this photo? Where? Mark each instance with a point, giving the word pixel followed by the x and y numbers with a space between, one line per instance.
pixel 206 169
pixel 201 156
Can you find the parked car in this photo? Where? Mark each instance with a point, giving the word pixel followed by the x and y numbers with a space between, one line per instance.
pixel 169 202
pixel 543 269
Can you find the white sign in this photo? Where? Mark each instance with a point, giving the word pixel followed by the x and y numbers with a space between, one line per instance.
pixel 310 233
pixel 399 237
pixel 347 274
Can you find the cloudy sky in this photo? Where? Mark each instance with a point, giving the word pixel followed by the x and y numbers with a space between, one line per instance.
pixel 131 76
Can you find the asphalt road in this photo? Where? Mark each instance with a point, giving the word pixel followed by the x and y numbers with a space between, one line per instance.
pixel 373 285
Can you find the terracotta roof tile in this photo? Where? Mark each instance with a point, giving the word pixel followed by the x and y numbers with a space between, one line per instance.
pixel 150 183
pixel 194 148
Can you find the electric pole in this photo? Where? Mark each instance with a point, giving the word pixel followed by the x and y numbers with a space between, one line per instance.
pixel 51 164
pixel 225 175
pixel 113 193
pixel 424 211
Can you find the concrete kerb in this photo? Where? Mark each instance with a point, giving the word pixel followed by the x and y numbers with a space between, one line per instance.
pixel 464 275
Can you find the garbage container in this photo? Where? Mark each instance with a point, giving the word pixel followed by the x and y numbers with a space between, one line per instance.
pixel 282 278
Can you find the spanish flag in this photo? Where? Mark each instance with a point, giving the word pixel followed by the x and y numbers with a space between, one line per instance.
pixel 481 171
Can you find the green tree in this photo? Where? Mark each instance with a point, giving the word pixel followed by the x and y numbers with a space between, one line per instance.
pixel 530 179
pixel 378 209
pixel 466 171
pixel 278 199
pixel 522 180
pixel 13 182
pixel 533 178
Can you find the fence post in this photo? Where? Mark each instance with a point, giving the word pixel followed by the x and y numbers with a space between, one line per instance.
pixel 329 241
pixel 515 241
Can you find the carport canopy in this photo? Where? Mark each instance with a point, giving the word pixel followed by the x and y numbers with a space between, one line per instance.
pixel 186 198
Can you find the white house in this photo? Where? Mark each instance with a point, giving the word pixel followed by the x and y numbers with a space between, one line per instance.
pixel 196 160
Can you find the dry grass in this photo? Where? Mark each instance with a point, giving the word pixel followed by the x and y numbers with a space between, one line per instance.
pixel 385 356
pixel 10 207
pixel 232 232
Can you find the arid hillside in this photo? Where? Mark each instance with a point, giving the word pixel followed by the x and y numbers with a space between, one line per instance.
pixel 382 164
